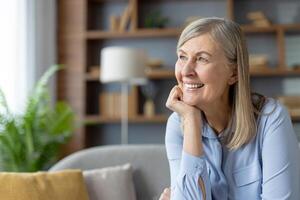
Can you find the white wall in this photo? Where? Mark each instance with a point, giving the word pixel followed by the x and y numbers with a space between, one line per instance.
pixel 45 38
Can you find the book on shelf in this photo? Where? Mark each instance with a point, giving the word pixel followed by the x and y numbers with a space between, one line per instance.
pixel 258 19
pixel 114 22
pixel 110 105
pixel 292 103
pixel 125 18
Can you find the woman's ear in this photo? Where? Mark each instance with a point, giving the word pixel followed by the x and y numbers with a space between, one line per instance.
pixel 234 76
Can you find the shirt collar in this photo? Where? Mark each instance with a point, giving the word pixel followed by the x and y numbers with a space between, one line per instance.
pixel 208 132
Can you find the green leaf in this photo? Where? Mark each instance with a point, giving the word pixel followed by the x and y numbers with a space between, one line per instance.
pixel 64 119
pixel 30 141
pixel 3 103
pixel 8 149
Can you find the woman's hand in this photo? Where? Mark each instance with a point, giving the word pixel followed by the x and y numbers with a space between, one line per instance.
pixel 166 195
pixel 176 104
pixel 191 118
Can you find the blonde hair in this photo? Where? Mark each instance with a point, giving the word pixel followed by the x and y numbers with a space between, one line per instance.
pixel 228 35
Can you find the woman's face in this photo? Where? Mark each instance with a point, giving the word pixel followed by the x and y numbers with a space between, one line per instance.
pixel 203 73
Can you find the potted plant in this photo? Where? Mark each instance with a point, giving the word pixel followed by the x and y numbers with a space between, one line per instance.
pixel 155 20
pixel 30 141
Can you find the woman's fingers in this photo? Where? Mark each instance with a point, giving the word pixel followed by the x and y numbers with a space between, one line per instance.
pixel 174 101
pixel 166 195
pixel 176 104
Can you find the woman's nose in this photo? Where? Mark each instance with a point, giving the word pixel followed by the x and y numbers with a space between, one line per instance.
pixel 189 68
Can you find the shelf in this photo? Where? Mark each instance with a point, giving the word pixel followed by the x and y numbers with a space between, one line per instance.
pixel 294 113
pixel 274 72
pixel 89 77
pixel 296 118
pixel 169 74
pixel 291 27
pixel 256 29
pixel 152 1
pixel 95 119
pixel 108 1
pixel 161 74
pixel 140 33
pixel 151 74
pixel 175 32
pixel 270 29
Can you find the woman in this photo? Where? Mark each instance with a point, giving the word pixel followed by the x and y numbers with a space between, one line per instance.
pixel 222 141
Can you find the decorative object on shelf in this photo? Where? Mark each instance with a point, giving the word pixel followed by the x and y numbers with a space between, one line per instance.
pixel 292 103
pixel 109 105
pixel 126 66
pixel 31 141
pixel 153 64
pixel 259 19
pixel 149 91
pixel 149 108
pixel 125 21
pixel 94 71
pixel 258 61
pixel 125 18
pixel 155 20
pixel 114 22
pixel 133 16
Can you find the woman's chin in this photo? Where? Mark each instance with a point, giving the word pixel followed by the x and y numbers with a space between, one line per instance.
pixel 190 102
pixel 197 102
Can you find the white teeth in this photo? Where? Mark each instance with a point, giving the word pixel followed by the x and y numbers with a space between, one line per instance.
pixel 193 86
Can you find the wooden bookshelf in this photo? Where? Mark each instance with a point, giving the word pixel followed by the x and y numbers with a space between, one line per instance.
pixel 295 118
pixel 151 74
pixel 103 1
pixel 92 120
pixel 174 32
pixel 279 71
pixel 95 119
pixel 295 115
pixel 160 74
pixel 291 27
pixel 270 29
pixel 255 29
pixel 81 35
pixel 169 74
pixel 140 33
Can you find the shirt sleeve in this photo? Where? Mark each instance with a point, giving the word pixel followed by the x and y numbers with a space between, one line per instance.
pixel 280 157
pixel 185 169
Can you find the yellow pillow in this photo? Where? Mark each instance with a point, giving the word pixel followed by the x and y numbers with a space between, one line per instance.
pixel 62 185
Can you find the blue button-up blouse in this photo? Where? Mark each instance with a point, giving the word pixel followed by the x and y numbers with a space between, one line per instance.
pixel 266 168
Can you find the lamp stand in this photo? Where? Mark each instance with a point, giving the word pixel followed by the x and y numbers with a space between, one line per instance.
pixel 124 113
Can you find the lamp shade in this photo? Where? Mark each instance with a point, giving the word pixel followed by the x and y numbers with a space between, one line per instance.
pixel 123 64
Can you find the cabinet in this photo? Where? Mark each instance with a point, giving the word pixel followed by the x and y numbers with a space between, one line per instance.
pixel 83 29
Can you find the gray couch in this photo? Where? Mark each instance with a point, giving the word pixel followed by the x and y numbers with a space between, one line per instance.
pixel 149 162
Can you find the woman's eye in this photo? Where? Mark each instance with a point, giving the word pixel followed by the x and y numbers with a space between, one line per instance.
pixel 183 58
pixel 202 59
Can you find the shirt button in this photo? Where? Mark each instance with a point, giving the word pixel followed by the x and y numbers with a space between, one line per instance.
pixel 198 167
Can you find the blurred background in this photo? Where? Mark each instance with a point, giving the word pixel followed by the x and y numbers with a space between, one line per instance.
pixel 36 34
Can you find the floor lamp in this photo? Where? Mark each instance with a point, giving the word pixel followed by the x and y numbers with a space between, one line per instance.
pixel 126 66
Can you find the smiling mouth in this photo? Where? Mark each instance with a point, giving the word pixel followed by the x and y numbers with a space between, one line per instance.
pixel 193 86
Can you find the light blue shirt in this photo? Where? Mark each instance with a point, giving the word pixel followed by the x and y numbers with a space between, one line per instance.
pixel 266 168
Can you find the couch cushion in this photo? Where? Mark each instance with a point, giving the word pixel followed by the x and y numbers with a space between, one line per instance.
pixel 110 183
pixel 64 185
pixel 149 163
